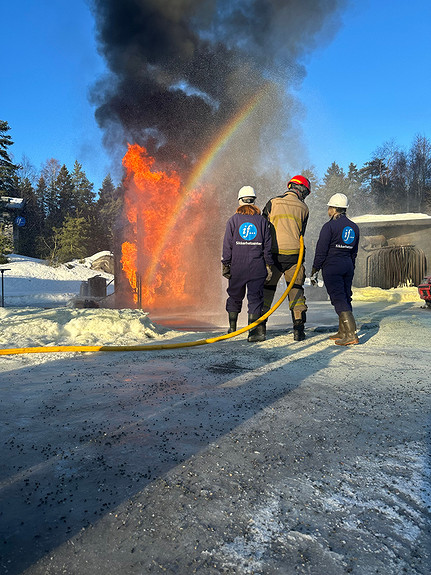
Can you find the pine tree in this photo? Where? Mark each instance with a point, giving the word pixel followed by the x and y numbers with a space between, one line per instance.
pixel 357 192
pixel 334 182
pixel 317 215
pixel 6 246
pixel 50 172
pixel 334 171
pixel 353 174
pixel 84 197
pixel 109 207
pixel 34 216
pixel 41 192
pixel 381 172
pixel 420 174
pixel 66 196
pixel 310 174
pixel 72 240
pixel 376 174
pixel 7 168
pixel 400 183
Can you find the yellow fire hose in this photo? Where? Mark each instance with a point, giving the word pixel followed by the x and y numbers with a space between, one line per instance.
pixel 150 347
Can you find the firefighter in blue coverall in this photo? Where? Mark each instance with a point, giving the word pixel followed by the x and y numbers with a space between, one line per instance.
pixel 246 261
pixel 335 255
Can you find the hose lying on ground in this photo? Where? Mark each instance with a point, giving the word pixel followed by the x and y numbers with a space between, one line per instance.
pixel 150 347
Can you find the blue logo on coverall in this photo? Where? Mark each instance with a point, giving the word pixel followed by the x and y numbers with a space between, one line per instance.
pixel 348 235
pixel 247 231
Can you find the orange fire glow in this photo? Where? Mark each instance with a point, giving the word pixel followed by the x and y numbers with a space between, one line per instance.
pixel 158 251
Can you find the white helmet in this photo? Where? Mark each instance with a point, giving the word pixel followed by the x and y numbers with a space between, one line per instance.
pixel 338 201
pixel 246 192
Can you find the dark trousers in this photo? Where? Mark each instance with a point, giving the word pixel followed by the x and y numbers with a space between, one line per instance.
pixel 338 280
pixel 236 291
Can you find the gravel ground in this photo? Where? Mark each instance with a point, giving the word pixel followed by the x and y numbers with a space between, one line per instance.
pixel 236 458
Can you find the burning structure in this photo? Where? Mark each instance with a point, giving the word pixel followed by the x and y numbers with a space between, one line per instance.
pixel 394 250
pixel 199 94
pixel 163 239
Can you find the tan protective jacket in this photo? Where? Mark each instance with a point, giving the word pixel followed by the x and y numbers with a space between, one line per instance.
pixel 288 216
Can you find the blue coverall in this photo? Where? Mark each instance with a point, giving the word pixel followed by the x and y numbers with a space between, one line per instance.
pixel 247 249
pixel 335 255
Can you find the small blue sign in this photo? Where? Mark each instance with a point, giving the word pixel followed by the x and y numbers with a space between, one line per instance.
pixel 20 221
pixel 248 231
pixel 348 235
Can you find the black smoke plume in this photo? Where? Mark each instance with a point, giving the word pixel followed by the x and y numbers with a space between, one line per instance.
pixel 179 70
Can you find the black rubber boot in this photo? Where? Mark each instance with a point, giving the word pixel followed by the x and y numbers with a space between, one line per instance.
pixel 298 327
pixel 259 332
pixel 349 336
pixel 233 319
pixel 340 333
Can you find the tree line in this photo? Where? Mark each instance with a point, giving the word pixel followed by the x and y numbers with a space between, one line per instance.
pixel 393 181
pixel 65 219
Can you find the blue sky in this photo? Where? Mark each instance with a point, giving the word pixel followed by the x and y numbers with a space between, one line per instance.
pixel 369 84
pixel 52 62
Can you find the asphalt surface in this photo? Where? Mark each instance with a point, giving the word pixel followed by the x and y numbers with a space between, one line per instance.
pixel 270 458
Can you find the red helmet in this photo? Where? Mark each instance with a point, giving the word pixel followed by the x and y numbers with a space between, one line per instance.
pixel 300 180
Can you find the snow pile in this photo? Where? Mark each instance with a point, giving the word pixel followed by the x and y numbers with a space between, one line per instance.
pixel 87 262
pixel 32 282
pixel 393 295
pixel 370 294
pixel 390 217
pixel 32 327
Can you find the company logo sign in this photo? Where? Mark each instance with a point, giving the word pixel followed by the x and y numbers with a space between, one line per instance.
pixel 20 221
pixel 348 235
pixel 248 231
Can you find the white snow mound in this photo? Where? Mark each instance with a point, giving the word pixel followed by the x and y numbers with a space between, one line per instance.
pixel 32 327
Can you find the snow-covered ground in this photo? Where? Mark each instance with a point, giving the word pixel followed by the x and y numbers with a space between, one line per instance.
pixel 279 457
pixel 39 308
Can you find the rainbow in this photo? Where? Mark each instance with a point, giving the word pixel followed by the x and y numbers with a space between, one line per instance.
pixel 223 137
pixel 199 170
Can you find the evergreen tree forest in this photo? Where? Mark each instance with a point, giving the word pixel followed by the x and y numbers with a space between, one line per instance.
pixel 66 218
pixel 392 182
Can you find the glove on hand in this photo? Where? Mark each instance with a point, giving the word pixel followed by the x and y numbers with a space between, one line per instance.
pixel 268 274
pixel 225 271
pixel 314 276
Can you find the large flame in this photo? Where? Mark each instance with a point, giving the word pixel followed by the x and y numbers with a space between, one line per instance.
pixel 158 251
